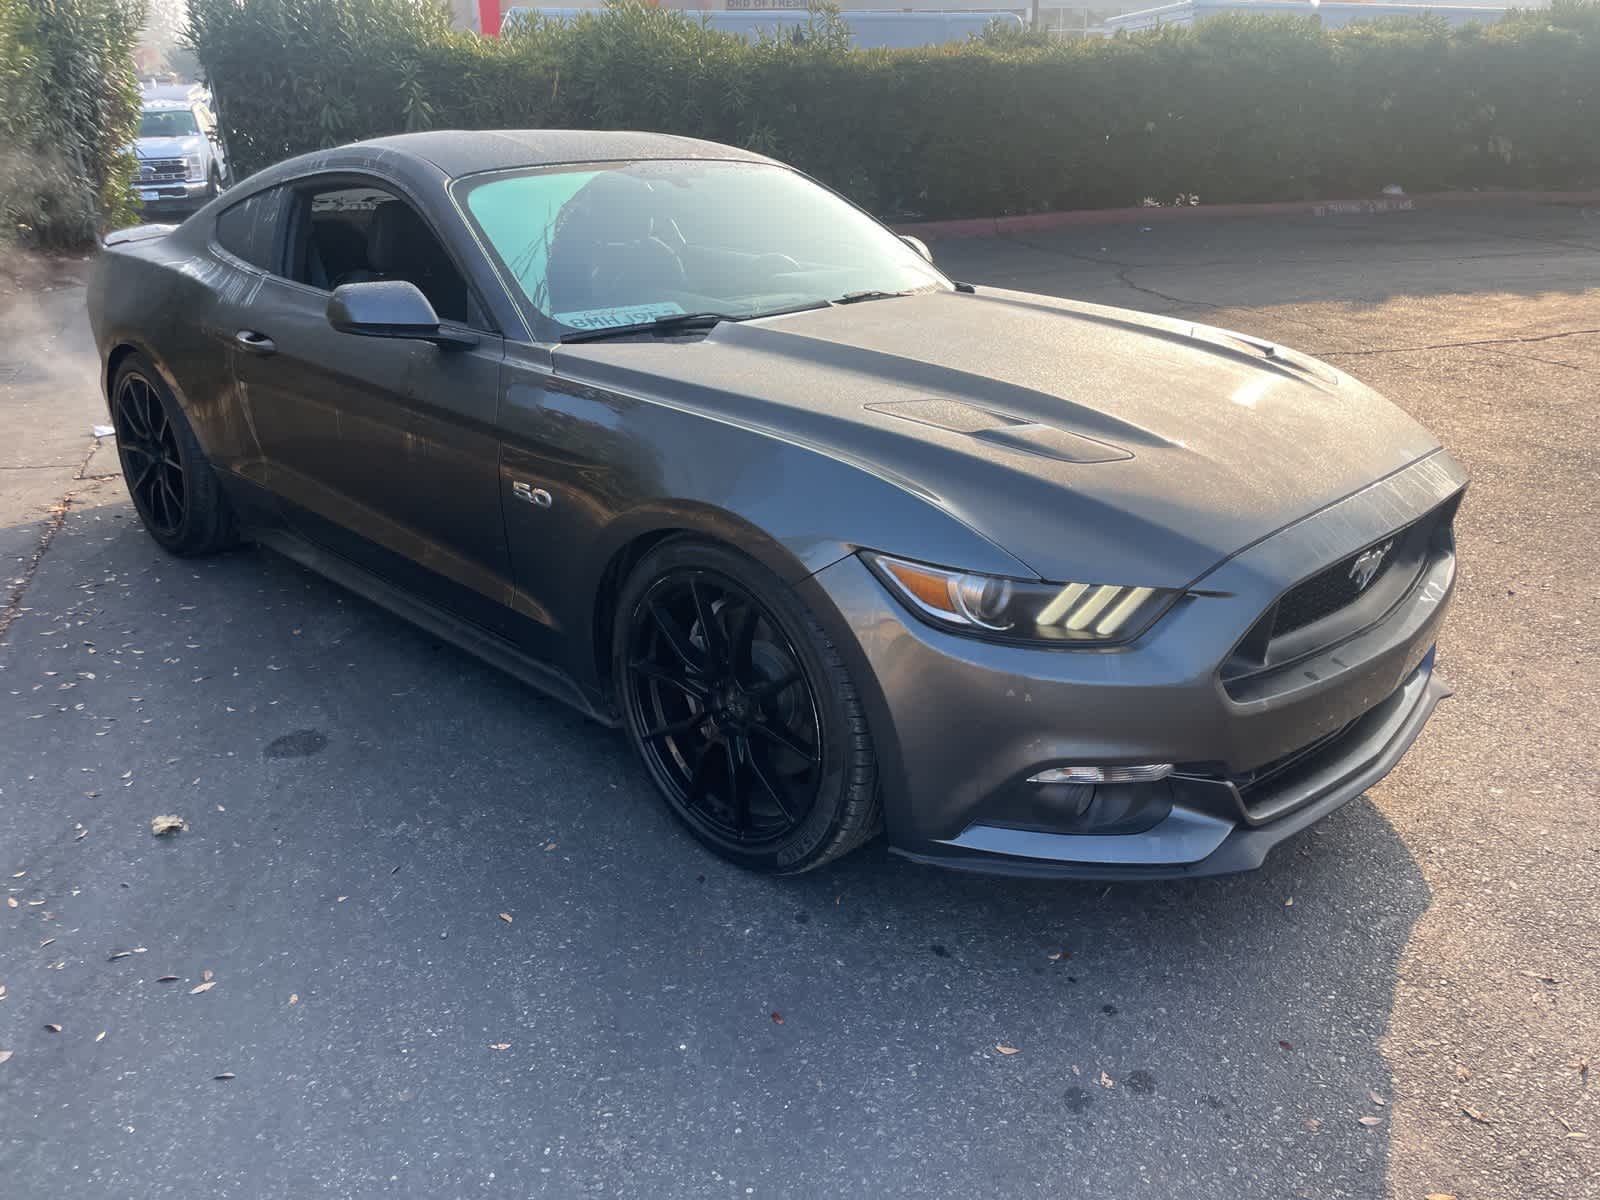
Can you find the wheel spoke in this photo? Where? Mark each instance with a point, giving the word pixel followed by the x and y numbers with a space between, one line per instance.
pixel 144 476
pixel 661 674
pixel 676 728
pixel 766 784
pixel 156 501
pixel 172 494
pixel 773 734
pixel 145 403
pixel 770 689
pixel 131 416
pixel 711 628
pixel 700 781
pixel 132 447
pixel 673 632
pixel 738 798
pixel 744 640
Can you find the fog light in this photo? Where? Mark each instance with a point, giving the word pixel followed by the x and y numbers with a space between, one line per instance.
pixel 1136 773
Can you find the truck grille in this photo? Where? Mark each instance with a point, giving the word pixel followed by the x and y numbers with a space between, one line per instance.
pixel 163 170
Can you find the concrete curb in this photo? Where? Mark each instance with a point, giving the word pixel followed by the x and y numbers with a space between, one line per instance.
pixel 1039 222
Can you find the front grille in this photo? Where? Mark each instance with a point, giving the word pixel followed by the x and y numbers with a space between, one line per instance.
pixel 1326 592
pixel 163 170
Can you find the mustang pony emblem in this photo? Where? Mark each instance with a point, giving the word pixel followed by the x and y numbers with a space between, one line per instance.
pixel 1366 565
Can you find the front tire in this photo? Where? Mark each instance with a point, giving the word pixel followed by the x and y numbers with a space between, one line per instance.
pixel 742 711
pixel 172 486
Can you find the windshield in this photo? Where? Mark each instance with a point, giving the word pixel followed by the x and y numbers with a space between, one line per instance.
pixel 612 244
pixel 167 122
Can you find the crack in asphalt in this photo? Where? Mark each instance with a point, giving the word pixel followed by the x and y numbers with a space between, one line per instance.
pixel 47 535
pixel 1123 268
pixel 1516 341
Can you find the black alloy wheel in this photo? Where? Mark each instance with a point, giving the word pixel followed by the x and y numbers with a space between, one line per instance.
pixel 741 710
pixel 176 493
pixel 727 717
pixel 147 443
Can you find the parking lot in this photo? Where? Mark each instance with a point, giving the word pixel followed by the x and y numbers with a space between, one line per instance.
pixel 456 947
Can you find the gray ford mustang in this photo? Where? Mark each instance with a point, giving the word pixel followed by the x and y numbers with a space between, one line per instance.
pixel 682 438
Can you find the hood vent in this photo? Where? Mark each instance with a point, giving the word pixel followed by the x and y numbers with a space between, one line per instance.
pixel 1011 433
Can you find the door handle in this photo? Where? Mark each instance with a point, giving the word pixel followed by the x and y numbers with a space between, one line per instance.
pixel 252 342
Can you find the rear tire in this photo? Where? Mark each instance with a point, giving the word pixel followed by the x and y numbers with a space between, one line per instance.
pixel 173 487
pixel 742 710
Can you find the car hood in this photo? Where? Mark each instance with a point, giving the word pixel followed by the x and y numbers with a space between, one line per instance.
pixel 167 147
pixel 1091 443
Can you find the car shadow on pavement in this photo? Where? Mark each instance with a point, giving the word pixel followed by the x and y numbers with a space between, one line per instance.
pixel 451 930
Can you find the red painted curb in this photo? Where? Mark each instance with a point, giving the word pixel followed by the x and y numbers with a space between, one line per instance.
pixel 1039 222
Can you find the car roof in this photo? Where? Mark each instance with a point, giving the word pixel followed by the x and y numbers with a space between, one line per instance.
pixel 165 105
pixel 458 152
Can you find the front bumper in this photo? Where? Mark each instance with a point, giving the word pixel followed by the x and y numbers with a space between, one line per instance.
pixel 171 195
pixel 960 725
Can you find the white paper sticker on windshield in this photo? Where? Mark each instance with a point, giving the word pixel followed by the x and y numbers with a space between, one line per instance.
pixel 610 318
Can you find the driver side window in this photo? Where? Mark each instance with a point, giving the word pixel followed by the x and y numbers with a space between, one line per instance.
pixel 361 234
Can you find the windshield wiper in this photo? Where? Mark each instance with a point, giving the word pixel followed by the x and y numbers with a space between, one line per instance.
pixel 683 323
pixel 858 297
pixel 671 323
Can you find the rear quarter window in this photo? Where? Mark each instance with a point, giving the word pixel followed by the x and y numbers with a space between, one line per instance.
pixel 249 230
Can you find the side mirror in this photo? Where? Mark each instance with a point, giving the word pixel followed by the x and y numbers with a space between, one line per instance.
pixel 917 244
pixel 391 309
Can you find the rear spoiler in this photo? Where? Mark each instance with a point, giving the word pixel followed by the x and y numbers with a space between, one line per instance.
pixel 136 233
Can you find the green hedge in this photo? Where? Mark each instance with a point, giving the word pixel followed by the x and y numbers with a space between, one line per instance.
pixel 69 107
pixel 1236 109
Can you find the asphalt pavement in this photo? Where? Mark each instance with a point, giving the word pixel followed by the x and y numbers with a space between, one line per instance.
pixel 429 934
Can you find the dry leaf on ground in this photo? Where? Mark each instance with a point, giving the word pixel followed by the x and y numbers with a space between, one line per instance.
pixel 1440 1196
pixel 1476 1115
pixel 1005 1049
pixel 1311 1124
pixel 202 987
pixel 167 979
pixel 506 917
pixel 1370 1121
pixel 777 1018
pixel 4 1055
pixel 499 1045
pixel 224 1075
pixel 101 1036
pixel 11 902
pixel 1462 1073
pixel 1106 1081
pixel 1376 1099
pixel 53 1028
pixel 167 823
pixel 206 974
pixel 294 998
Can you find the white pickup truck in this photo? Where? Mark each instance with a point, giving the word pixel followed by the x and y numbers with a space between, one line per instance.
pixel 181 161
